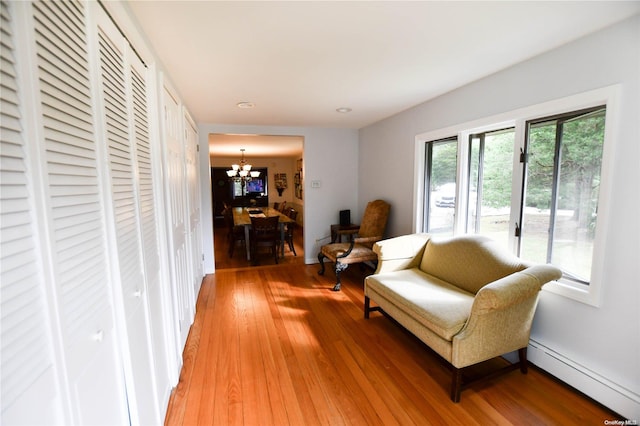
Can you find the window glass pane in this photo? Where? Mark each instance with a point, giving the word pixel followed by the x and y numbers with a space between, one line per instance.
pixel 578 189
pixel 491 169
pixel 537 200
pixel 441 179
pixel 237 189
pixel 562 189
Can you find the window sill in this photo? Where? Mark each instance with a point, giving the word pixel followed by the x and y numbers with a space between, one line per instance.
pixel 579 292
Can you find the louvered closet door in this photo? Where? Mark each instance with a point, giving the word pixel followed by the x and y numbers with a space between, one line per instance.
pixel 177 195
pixel 119 124
pixel 146 152
pixel 193 182
pixel 76 214
pixel 27 358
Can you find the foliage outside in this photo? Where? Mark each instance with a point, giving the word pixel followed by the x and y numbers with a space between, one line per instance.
pixel 578 142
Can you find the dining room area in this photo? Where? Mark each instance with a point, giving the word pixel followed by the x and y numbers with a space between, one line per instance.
pixel 255 178
pixel 230 244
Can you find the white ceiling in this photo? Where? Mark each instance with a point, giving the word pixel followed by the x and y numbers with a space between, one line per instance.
pixel 300 60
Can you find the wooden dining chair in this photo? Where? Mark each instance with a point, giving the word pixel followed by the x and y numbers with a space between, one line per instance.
pixel 264 233
pixel 235 234
pixel 289 228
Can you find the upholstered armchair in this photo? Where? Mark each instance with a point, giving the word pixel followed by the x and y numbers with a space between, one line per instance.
pixel 361 240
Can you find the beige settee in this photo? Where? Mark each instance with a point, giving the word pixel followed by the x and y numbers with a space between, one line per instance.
pixel 465 297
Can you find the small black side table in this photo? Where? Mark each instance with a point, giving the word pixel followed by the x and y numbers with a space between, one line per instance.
pixel 337 231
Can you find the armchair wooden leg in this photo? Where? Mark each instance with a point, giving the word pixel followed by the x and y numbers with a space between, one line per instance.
pixel 339 268
pixel 321 260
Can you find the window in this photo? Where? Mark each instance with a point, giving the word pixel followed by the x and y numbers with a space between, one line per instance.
pixel 562 181
pixel 534 179
pixel 490 181
pixel 440 185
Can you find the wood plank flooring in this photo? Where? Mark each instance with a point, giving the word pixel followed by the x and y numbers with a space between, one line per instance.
pixel 273 345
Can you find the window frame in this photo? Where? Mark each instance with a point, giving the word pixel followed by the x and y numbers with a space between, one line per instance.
pixel 559 120
pixel 427 175
pixel 608 97
pixel 482 148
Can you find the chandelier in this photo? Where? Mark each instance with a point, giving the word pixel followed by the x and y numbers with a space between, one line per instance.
pixel 242 172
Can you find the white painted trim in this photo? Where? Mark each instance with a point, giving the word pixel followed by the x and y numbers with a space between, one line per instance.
pixel 419 168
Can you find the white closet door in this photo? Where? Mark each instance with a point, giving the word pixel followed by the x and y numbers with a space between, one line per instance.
pixel 75 210
pixel 160 320
pixel 177 196
pixel 192 160
pixel 120 131
pixel 26 355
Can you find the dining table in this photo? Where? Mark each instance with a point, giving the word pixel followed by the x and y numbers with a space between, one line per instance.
pixel 242 217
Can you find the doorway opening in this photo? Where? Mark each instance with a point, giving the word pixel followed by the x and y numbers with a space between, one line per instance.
pixel 279 159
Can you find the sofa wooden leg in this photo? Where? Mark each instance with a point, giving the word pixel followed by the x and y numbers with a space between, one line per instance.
pixel 522 354
pixel 367 307
pixel 456 384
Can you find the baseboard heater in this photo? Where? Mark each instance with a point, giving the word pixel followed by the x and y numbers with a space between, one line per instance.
pixel 612 395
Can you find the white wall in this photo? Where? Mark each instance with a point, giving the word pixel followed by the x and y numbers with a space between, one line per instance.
pixel 330 158
pixel 596 349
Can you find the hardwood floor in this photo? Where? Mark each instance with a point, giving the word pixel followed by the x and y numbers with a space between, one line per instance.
pixel 273 345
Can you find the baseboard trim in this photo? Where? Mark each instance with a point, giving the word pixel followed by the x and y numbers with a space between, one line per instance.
pixel 610 394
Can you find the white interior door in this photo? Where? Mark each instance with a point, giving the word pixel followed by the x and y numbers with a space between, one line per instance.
pixel 26 355
pixel 192 162
pixel 74 211
pixel 177 196
pixel 147 157
pixel 120 129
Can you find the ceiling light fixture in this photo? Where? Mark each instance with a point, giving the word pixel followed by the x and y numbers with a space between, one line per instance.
pixel 245 105
pixel 343 110
pixel 242 173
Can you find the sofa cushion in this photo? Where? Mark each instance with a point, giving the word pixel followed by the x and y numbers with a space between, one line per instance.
pixel 469 261
pixel 439 306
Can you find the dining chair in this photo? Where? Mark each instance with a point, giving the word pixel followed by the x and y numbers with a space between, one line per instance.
pixel 264 233
pixel 235 234
pixel 288 231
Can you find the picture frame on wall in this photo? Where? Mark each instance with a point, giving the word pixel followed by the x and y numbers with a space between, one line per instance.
pixel 297 179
